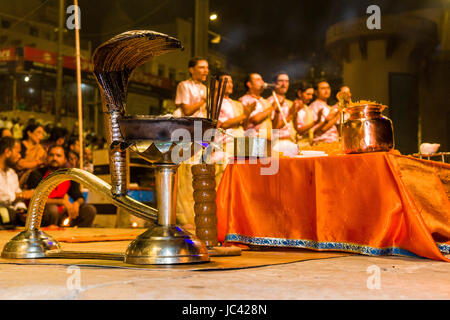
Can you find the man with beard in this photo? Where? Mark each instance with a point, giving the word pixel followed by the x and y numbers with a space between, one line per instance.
pixel 59 207
pixel 282 117
pixel 11 196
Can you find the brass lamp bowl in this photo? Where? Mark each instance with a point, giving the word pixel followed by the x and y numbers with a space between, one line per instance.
pixel 162 128
pixel 165 140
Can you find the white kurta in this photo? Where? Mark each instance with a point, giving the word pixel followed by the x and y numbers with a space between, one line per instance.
pixel 261 105
pixel 190 92
pixel 9 186
pixel 332 134
pixel 286 131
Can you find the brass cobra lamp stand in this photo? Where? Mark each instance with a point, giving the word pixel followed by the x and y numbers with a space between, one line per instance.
pixel 149 137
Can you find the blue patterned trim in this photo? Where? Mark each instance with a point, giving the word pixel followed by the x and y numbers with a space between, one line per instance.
pixel 444 248
pixel 309 244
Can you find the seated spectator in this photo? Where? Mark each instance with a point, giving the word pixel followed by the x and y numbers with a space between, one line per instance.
pixel 88 160
pixel 12 207
pixel 5 132
pixel 74 144
pixel 33 153
pixel 58 206
pixel 57 137
pixel 8 124
pixel 17 129
pixel 74 147
pixel 5 123
pixel 73 159
pixel 48 127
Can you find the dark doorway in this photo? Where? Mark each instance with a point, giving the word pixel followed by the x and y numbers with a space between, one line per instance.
pixel 404 111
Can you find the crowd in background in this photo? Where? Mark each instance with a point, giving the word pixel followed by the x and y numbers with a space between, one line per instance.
pixel 36 138
pixel 28 154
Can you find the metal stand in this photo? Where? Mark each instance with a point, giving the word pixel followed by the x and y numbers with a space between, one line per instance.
pixel 166 243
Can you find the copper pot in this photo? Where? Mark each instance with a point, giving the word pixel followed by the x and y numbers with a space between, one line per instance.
pixel 367 130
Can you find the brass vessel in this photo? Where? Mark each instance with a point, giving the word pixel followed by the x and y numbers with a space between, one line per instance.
pixel 367 130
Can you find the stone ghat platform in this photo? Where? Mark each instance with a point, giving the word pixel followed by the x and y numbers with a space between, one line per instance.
pixel 256 274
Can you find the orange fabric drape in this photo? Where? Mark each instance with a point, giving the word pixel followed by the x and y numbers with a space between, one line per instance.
pixel 355 203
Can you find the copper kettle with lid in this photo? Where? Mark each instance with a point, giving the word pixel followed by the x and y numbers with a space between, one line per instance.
pixel 367 130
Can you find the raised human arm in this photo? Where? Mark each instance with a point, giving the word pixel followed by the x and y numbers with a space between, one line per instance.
pixel 190 109
pixel 23 164
pixel 301 129
pixel 241 119
pixel 261 116
pixel 330 121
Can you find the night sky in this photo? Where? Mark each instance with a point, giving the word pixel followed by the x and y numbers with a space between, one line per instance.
pixel 263 36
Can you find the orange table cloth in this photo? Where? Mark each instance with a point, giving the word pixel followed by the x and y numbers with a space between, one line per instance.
pixel 372 204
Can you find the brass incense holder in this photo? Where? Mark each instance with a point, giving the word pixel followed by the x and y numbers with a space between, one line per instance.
pixel 151 139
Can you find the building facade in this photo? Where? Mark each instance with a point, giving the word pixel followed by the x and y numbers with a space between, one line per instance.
pixel 28 71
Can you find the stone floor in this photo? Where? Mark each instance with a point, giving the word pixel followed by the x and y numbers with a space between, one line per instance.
pixel 339 278
pixel 348 277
